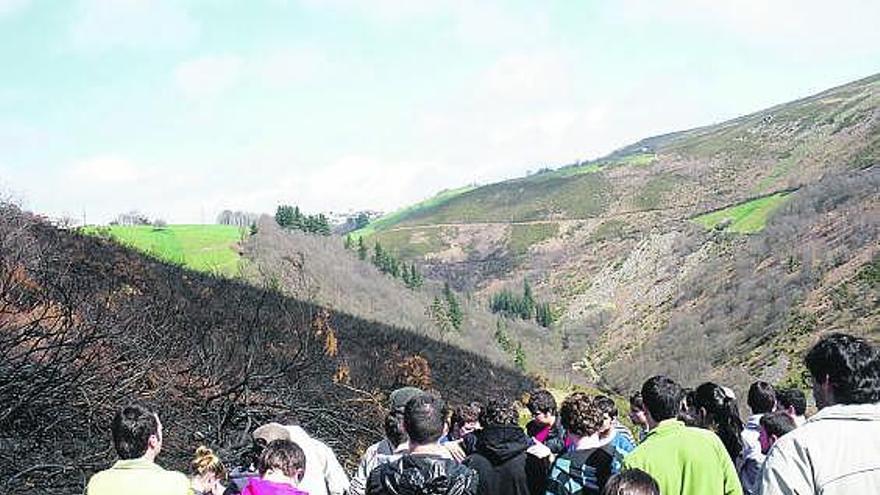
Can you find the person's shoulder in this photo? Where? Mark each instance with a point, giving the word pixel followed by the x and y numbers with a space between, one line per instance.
pixel 175 481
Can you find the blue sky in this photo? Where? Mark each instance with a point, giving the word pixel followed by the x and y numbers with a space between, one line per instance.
pixel 183 108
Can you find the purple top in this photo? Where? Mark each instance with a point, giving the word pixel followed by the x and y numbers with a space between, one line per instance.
pixel 258 486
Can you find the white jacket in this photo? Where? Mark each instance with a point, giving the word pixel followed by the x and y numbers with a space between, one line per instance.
pixel 836 452
pixel 324 475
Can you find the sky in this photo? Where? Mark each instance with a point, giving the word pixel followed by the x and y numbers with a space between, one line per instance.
pixel 180 109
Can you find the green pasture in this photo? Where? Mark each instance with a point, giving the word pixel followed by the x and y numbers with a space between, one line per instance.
pixel 744 218
pixel 206 248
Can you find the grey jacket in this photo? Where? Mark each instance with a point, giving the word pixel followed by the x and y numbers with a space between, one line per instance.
pixel 836 452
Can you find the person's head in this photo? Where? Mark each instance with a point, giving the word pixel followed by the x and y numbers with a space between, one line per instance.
pixel 717 411
pixel 465 419
pixel 791 401
pixel 137 432
pixel 662 397
pixel 399 397
pixel 637 412
pixel 762 398
pixel 845 370
pixel 206 469
pixel 500 412
pixel 609 412
pixel 773 426
pixel 580 415
pixel 631 482
pixel 282 460
pixel 688 412
pixel 424 419
pixel 394 431
pixel 542 405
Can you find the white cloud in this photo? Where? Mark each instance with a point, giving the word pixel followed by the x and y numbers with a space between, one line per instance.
pixel 208 77
pixel 287 66
pixel 100 25
pixel 106 169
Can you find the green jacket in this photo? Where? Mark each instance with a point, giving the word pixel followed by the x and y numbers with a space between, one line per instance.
pixel 138 477
pixel 685 461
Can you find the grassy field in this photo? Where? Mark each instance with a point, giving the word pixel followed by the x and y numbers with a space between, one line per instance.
pixel 745 218
pixel 207 248
pixel 522 237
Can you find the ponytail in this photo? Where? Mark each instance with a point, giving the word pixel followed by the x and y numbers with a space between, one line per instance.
pixel 722 416
pixel 205 461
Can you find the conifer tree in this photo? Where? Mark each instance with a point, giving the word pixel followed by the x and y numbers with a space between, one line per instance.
pixel 519 357
pixel 527 304
pixel 456 317
pixel 362 249
pixel 348 242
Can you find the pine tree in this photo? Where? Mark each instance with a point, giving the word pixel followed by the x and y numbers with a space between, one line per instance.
pixel 362 249
pixel 297 221
pixel 438 313
pixel 519 357
pixel 348 242
pixel 284 216
pixel 378 255
pixel 415 277
pixel 527 306
pixel 456 317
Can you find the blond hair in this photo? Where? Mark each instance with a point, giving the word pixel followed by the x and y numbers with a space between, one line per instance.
pixel 206 461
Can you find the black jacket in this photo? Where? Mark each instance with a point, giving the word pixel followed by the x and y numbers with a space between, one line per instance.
pixel 420 474
pixel 555 440
pixel 503 464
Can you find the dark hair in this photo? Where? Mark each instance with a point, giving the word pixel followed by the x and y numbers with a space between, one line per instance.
pixel 424 418
pixel 722 416
pixel 394 431
pixel 132 427
pixel 581 415
pixel 792 397
pixel 851 366
pixel 662 397
pixel 284 456
pixel 500 412
pixel 688 412
pixel 631 482
pixel 636 402
pixel 777 423
pixel 606 405
pixel 466 413
pixel 762 398
pixel 541 400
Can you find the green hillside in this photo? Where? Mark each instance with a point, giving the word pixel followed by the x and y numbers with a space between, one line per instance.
pixel 626 247
pixel 746 218
pixel 206 248
pixel 707 168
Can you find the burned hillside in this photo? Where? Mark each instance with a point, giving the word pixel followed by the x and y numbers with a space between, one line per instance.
pixel 87 326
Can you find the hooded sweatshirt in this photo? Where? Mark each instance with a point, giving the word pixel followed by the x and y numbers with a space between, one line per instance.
pixel 836 452
pixel 503 464
pixel 422 474
pixel 258 486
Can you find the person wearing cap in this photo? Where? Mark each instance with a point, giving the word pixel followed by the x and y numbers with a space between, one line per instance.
pixel 395 443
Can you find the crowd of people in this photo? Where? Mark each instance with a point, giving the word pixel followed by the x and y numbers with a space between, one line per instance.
pixel 689 441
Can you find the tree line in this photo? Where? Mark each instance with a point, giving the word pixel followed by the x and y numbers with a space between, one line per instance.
pixel 386 262
pixel 290 217
pixel 524 306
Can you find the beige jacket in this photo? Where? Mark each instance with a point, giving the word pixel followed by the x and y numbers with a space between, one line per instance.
pixel 836 452
pixel 324 475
